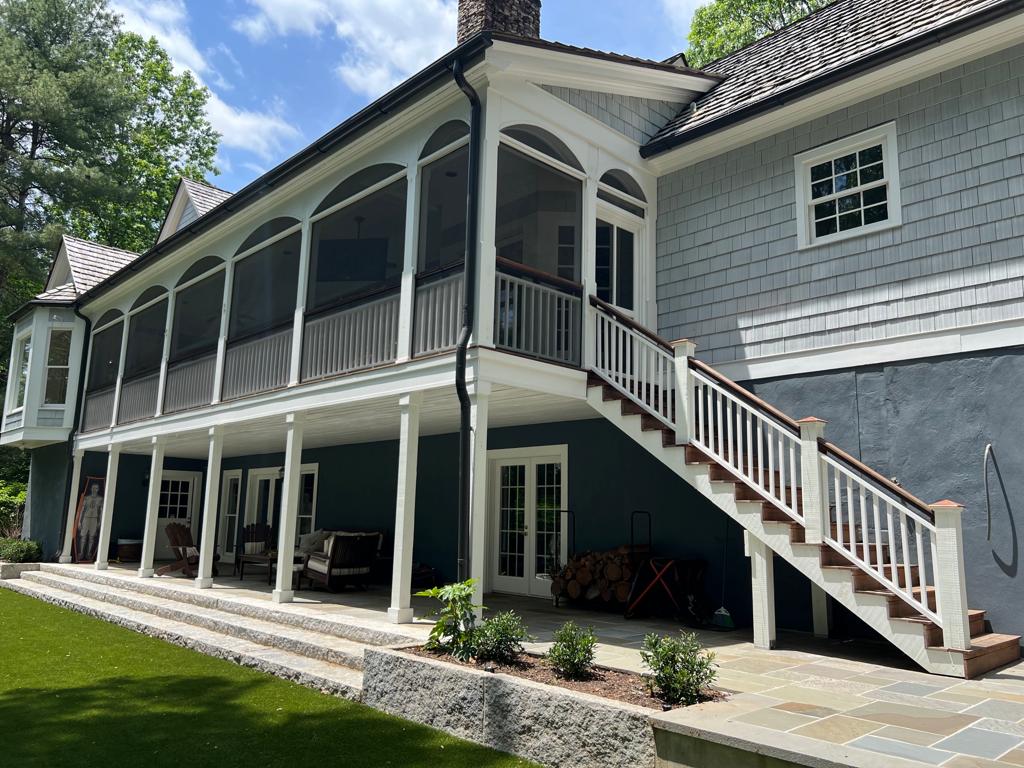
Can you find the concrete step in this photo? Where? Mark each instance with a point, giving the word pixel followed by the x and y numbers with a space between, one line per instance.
pixel 313 673
pixel 314 645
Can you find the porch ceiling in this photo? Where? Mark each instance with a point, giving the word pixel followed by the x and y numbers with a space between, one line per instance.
pixel 374 420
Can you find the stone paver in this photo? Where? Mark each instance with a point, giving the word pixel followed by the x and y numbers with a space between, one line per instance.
pixel 979 743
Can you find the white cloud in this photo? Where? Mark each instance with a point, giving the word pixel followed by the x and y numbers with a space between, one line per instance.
pixel 680 14
pixel 386 40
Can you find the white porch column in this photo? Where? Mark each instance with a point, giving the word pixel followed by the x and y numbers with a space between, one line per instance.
pixel 166 354
pixel 120 371
pixel 950 577
pixel 819 611
pixel 211 496
pixel 69 525
pixel 483 333
pixel 283 592
pixel 400 611
pixel 684 349
pixel 480 398
pixel 156 476
pixel 762 577
pixel 299 318
pixel 407 300
pixel 588 263
pixel 222 338
pixel 109 492
pixel 812 479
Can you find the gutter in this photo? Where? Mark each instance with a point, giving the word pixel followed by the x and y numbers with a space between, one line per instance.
pixel 79 402
pixel 861 66
pixel 468 317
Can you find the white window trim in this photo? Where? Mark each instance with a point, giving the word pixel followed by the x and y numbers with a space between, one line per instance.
pixel 611 214
pixel 884 134
pixel 16 371
pixel 46 364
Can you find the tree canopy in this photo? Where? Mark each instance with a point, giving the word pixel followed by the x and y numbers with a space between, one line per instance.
pixel 724 26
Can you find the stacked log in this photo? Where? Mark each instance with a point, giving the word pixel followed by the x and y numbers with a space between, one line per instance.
pixel 604 577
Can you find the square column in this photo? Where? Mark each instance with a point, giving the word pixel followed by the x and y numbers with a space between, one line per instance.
pixel 109 492
pixel 156 476
pixel 819 611
pixel 69 525
pixel 208 534
pixel 283 592
pixel 400 611
pixel 762 578
pixel 480 398
pixel 812 481
pixel 950 574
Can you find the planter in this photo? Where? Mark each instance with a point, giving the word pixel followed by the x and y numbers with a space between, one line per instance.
pixel 549 725
pixel 14 570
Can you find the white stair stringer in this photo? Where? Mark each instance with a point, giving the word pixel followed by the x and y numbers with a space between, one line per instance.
pixel 873 609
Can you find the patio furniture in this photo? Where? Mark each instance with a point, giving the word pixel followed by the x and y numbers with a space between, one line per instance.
pixel 179 537
pixel 256 538
pixel 348 557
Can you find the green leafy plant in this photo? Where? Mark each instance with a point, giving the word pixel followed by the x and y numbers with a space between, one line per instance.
pixel 572 654
pixel 455 624
pixel 681 669
pixel 20 551
pixel 12 507
pixel 500 638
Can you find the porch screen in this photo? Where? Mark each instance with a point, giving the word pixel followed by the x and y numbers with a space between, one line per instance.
pixel 539 215
pixel 263 290
pixel 197 317
pixel 358 249
pixel 105 357
pixel 145 341
pixel 443 211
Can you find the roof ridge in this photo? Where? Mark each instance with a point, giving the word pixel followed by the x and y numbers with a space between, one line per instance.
pixel 98 245
pixel 208 185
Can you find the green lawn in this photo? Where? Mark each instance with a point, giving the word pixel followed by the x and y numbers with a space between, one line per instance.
pixel 75 691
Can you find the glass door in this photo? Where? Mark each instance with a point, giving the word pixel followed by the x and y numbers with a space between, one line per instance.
pixel 616 263
pixel 230 497
pixel 177 505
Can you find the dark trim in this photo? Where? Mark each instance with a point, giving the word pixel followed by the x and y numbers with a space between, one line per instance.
pixel 191 356
pixel 137 376
pixel 522 270
pixel 628 321
pixel 833 450
pixel 355 300
pixel 262 333
pixel 829 78
pixel 431 275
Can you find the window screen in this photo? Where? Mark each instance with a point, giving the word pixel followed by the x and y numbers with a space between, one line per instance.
pixel 197 317
pixel 105 357
pixel 263 291
pixel 145 341
pixel 443 211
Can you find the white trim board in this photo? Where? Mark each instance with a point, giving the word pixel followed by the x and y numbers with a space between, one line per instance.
pixel 976 338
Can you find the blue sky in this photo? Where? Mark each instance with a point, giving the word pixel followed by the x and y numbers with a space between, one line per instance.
pixel 282 72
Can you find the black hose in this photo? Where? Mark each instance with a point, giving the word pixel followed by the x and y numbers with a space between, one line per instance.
pixel 468 315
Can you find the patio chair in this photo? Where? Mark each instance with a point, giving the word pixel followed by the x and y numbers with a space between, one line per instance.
pixel 179 537
pixel 347 559
pixel 256 546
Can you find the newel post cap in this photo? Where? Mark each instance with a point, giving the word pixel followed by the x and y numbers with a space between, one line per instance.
pixel 683 347
pixel 811 427
pixel 945 506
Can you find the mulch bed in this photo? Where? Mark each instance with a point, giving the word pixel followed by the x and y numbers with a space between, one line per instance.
pixel 627 687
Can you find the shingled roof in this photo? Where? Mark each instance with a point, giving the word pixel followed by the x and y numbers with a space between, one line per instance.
pixel 814 50
pixel 204 197
pixel 91 263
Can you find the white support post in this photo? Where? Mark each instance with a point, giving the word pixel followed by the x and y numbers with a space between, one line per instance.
pixel 69 525
pixel 208 533
pixel 819 611
pixel 950 576
pixel 109 492
pixel 483 333
pixel 588 267
pixel 222 338
pixel 684 349
pixel 156 476
pixel 400 611
pixel 480 398
pixel 120 372
pixel 812 480
pixel 299 321
pixel 283 592
pixel 166 354
pixel 762 577
pixel 407 299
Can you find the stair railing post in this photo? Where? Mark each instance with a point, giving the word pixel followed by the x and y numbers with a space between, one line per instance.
pixel 812 480
pixel 950 575
pixel 684 349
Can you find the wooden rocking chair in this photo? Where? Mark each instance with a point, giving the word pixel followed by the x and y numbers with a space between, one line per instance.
pixel 180 539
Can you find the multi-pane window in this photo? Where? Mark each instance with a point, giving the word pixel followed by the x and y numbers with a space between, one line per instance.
pixel 848 187
pixel 615 264
pixel 22 352
pixel 58 356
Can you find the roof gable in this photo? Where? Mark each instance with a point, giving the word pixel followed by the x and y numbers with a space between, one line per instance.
pixel 192 200
pixel 90 263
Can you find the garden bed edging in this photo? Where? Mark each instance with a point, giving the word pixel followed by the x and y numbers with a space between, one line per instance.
pixel 14 570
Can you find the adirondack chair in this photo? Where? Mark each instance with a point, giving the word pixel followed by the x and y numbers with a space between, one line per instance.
pixel 179 537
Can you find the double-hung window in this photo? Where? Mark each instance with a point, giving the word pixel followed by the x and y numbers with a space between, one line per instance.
pixel 848 188
pixel 22 355
pixel 58 356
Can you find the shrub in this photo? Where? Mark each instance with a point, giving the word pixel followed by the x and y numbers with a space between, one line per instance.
pixel 681 669
pixel 12 506
pixel 500 638
pixel 19 551
pixel 455 623
pixel 572 654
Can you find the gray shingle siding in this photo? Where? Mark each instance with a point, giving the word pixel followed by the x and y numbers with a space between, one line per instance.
pixel 633 117
pixel 729 272
pixel 188 215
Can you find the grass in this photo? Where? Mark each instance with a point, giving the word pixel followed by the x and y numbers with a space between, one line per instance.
pixel 76 691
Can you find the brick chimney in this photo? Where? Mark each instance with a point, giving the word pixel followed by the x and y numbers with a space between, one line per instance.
pixel 514 17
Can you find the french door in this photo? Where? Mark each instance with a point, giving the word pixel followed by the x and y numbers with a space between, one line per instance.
pixel 177 505
pixel 227 529
pixel 529 496
pixel 264 496
pixel 617 240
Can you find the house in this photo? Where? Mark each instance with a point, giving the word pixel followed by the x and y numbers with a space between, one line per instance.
pixel 446 320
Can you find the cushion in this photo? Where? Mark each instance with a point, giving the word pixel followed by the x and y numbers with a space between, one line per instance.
pixel 310 542
pixel 317 565
pixel 255 547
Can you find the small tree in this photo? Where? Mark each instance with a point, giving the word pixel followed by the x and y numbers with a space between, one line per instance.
pixel 455 622
pixel 572 653
pixel 12 508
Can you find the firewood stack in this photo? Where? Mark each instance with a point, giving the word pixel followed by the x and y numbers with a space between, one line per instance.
pixel 596 576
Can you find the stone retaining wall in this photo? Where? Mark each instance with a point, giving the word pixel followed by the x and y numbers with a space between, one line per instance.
pixel 14 570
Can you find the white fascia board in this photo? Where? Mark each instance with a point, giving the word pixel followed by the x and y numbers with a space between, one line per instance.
pixel 34 437
pixel 949 54
pixel 547 67
pixel 918 346
pixel 512 370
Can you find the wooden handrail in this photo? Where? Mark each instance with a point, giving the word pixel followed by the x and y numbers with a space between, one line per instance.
pixel 515 268
pixel 629 322
pixel 438 272
pixel 747 395
pixel 834 450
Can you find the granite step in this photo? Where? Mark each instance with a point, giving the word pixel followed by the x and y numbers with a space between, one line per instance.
pixel 313 673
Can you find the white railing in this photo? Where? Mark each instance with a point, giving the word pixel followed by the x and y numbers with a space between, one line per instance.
pixel 98 410
pixel 751 444
pixel 351 339
pixel 636 365
pixel 257 365
pixel 880 534
pixel 537 320
pixel 190 383
pixel 437 317
pixel 138 398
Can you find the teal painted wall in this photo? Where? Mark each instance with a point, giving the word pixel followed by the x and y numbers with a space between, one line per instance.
pixel 44 506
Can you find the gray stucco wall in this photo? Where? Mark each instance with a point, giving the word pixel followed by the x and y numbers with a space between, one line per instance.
pixel 44 505
pixel 730 276
pixel 635 118
pixel 926 423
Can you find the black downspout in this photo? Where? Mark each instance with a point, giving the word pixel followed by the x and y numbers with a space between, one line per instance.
pixel 468 316
pixel 74 424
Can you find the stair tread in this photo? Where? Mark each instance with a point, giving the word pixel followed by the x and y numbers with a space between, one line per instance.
pixel 991 642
